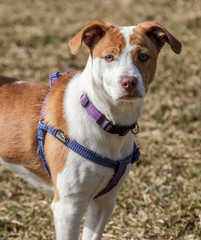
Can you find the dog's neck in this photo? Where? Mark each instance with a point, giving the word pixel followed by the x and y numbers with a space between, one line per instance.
pixel 119 112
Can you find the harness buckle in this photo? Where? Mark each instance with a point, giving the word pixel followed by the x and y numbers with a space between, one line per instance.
pixel 61 137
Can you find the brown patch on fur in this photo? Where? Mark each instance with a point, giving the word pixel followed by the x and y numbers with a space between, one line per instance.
pixel 90 35
pixel 56 153
pixel 149 38
pixel 159 35
pixel 143 45
pixel 112 43
pixel 20 110
pixel 19 115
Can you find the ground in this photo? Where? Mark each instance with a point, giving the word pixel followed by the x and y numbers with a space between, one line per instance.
pixel 161 198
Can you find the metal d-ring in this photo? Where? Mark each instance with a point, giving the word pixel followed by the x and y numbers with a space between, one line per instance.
pixel 135 130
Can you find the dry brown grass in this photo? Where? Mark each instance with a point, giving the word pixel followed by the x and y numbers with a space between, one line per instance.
pixel 161 198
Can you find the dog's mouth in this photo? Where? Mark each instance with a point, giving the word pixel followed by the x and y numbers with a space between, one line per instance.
pixel 132 96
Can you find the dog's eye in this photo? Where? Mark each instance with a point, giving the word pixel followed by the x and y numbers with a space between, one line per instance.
pixel 143 57
pixel 109 58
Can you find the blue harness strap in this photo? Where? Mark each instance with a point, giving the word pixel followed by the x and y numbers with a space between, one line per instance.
pixel 41 132
pixel 119 166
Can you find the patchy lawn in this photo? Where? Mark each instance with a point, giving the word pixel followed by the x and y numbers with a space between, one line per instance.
pixel 161 198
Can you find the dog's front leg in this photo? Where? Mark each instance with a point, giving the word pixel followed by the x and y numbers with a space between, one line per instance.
pixel 67 218
pixel 98 213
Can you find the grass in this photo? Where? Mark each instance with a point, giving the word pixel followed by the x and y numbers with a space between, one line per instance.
pixel 161 198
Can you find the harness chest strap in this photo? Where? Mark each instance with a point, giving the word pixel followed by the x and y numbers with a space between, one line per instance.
pixel 119 166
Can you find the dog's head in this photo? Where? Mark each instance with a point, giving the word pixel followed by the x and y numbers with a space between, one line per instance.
pixel 124 58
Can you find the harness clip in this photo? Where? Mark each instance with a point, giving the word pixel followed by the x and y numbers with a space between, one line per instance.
pixel 61 137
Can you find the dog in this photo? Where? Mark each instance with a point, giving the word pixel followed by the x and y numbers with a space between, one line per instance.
pixel 96 111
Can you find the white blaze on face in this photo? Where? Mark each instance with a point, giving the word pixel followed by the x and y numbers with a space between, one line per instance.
pixel 109 74
pixel 131 69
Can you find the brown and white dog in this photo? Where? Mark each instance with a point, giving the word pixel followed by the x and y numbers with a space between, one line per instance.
pixel 120 68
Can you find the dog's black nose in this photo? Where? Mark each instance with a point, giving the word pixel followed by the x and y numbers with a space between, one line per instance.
pixel 129 82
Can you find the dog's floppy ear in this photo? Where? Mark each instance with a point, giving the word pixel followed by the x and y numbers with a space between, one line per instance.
pixel 90 35
pixel 160 35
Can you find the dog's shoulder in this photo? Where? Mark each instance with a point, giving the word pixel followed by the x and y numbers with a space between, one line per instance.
pixel 54 109
pixel 63 80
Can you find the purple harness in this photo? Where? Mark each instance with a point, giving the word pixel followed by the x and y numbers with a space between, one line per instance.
pixel 119 166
